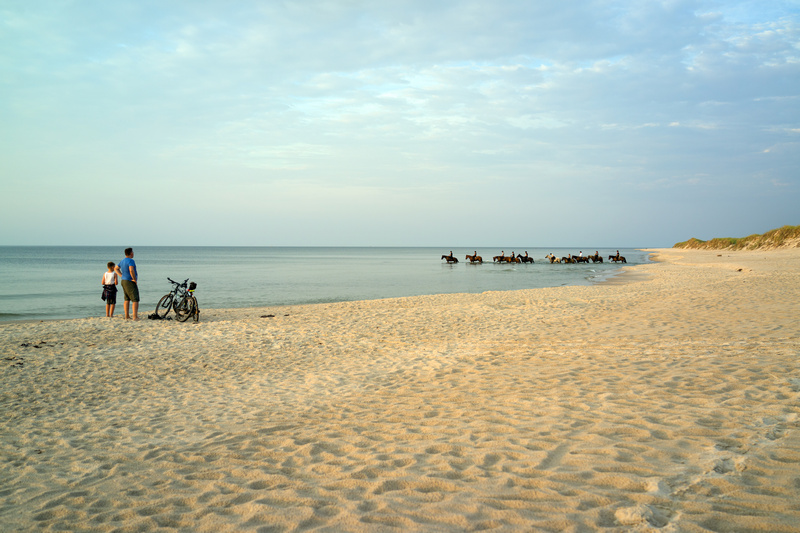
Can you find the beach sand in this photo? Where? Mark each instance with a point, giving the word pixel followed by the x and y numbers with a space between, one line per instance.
pixel 665 400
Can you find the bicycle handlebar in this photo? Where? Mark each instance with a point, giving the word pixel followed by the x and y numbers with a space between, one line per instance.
pixel 179 284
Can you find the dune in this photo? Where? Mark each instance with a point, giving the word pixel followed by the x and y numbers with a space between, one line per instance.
pixel 664 400
pixel 783 237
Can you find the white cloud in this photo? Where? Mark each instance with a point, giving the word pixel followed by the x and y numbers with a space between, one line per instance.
pixel 562 103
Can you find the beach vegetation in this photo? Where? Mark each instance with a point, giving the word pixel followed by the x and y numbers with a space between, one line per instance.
pixel 784 237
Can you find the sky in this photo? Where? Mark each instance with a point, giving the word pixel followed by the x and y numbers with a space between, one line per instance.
pixel 589 123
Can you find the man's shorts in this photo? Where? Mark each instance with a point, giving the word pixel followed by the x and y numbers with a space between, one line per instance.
pixel 131 291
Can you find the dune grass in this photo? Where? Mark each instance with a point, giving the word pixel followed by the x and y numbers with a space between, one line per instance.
pixel 784 237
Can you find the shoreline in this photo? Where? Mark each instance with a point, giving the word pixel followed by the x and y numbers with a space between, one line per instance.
pixel 671 403
pixel 144 312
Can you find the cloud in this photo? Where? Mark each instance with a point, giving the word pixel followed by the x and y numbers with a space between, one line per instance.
pixel 414 102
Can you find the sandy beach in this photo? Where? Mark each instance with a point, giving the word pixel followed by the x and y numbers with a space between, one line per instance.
pixel 664 400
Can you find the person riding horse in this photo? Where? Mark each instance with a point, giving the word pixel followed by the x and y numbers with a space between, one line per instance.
pixel 450 258
pixel 475 258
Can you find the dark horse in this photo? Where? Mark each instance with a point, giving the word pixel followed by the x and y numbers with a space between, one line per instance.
pixel 475 258
pixel 617 258
pixel 525 259
pixel 450 259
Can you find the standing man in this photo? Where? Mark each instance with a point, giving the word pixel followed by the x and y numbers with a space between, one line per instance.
pixel 127 271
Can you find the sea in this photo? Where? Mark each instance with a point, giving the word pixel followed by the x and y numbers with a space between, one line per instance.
pixel 64 282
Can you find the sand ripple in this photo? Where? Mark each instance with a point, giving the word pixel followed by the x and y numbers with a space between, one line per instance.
pixel 669 404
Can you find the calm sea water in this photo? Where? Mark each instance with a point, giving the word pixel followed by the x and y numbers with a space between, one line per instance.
pixel 44 282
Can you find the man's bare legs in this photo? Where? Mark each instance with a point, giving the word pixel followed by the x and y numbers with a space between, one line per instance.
pixel 134 306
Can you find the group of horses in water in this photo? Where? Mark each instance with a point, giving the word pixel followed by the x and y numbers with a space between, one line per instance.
pixel 513 258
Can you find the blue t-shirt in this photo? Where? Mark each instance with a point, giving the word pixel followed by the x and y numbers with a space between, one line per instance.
pixel 126 272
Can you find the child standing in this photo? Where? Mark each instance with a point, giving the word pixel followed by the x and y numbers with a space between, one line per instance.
pixel 110 282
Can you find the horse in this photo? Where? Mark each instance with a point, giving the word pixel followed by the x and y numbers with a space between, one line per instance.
pixel 580 259
pixel 450 259
pixel 617 258
pixel 596 258
pixel 525 259
pixel 552 258
pixel 474 258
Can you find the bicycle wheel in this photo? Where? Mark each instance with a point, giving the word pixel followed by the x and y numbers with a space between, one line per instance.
pixel 164 305
pixel 196 309
pixel 179 306
pixel 185 309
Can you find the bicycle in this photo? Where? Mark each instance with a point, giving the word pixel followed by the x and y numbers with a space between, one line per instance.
pixel 187 306
pixel 180 299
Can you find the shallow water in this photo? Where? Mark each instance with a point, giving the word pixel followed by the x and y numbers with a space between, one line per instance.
pixel 49 282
